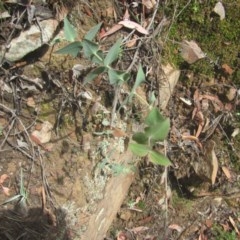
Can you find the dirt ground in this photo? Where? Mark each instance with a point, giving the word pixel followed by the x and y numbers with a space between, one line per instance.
pixel 53 183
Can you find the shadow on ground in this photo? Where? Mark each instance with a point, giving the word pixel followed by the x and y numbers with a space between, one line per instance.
pixel 35 225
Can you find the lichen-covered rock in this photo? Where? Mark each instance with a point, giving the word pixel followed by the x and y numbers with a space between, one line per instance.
pixel 30 40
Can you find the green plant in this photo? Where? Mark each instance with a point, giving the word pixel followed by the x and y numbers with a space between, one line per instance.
pixel 20 198
pixel 220 234
pixel 156 130
pixel 92 51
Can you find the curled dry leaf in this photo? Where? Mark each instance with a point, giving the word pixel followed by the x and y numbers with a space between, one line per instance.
pixel 3 178
pixel 218 105
pixel 175 227
pixel 227 173
pixel 231 94
pixel 6 190
pixel 125 23
pixel 209 223
pixel 191 52
pixel 200 118
pixel 227 69
pixel 139 229
pixel 149 4
pixel 31 102
pixel 219 10
pixel 43 135
pixel 122 236
pixel 207 167
pixel 131 43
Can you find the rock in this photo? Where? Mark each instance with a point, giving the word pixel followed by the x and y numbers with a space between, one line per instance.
pixel 30 40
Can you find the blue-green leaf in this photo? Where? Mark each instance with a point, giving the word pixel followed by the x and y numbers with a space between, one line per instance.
pixel 140 150
pixel 113 53
pixel 117 76
pixel 140 137
pixel 139 79
pixel 98 57
pixel 159 158
pixel 158 131
pixel 94 73
pixel 154 117
pixel 91 51
pixel 89 48
pixel 12 199
pixel 91 34
pixel 69 31
pixel 72 49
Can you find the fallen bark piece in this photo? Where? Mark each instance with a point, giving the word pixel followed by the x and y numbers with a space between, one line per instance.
pixel 115 192
pixel 170 81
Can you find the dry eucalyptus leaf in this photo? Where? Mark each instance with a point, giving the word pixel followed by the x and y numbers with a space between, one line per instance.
pixel 219 10
pixel 191 52
pixel 112 30
pixel 227 172
pixel 214 164
pixel 234 224
pixel 133 25
pixel 186 101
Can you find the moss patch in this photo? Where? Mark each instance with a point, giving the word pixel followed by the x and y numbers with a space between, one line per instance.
pixel 219 39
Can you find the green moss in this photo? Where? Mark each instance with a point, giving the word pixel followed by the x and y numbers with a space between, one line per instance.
pixel 184 204
pixel 2 9
pixel 220 234
pixel 219 39
pixel 47 111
